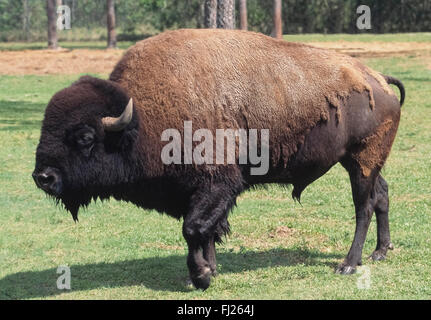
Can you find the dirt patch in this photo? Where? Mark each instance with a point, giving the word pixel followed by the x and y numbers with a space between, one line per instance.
pixel 411 198
pixel 282 232
pixel 58 62
pixel 78 61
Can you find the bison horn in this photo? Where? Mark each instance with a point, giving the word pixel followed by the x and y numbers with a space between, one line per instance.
pixel 120 123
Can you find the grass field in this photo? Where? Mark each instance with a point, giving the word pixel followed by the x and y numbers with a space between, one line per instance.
pixel 278 249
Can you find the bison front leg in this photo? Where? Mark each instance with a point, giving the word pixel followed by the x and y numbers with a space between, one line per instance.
pixel 208 207
pixel 209 253
pixel 199 268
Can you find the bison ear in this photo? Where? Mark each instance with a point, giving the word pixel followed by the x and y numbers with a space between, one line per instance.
pixel 120 123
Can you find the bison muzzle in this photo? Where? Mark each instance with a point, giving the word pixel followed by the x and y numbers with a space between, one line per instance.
pixel 102 138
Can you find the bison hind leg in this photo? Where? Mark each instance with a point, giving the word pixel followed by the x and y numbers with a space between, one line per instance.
pixel 369 191
pixel 380 201
pixel 361 192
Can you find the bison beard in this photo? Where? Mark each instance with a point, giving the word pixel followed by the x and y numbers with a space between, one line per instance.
pixel 321 108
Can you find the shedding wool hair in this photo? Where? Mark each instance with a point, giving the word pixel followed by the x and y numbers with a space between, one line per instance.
pixel 234 79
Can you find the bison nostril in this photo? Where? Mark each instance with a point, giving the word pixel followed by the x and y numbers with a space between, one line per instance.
pixel 49 180
pixel 45 180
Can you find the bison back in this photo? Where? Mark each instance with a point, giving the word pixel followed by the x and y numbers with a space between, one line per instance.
pixel 237 79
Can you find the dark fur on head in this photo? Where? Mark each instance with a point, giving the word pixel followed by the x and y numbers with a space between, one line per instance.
pixel 115 166
pixel 94 172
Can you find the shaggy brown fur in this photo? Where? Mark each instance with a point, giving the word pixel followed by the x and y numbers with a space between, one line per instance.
pixel 372 151
pixel 209 77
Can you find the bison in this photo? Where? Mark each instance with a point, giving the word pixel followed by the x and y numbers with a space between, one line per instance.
pixel 103 138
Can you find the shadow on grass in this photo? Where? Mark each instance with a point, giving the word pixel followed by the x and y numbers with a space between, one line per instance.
pixel 157 273
pixel 20 115
pixel 418 79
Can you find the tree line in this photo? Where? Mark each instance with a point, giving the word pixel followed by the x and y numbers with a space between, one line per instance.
pixel 137 19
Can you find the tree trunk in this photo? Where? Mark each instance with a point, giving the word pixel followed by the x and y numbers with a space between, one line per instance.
pixel 210 14
pixel 226 14
pixel 25 20
pixel 339 16
pixel 277 31
pixel 72 14
pixel 200 21
pixel 112 37
pixel 309 20
pixel 243 25
pixel 52 24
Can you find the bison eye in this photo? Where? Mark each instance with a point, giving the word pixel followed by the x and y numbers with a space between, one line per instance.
pixel 81 138
pixel 85 139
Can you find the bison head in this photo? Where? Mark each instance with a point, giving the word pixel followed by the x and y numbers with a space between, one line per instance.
pixel 86 144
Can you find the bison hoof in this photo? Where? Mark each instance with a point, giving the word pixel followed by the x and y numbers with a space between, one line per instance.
pixel 380 254
pixel 189 282
pixel 203 280
pixel 345 269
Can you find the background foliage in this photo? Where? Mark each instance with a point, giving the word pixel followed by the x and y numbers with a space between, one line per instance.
pixel 136 19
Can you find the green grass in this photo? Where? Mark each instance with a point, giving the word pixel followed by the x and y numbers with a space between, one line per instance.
pixel 118 251
pixel 363 37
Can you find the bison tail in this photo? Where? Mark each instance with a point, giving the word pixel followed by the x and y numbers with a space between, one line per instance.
pixel 398 83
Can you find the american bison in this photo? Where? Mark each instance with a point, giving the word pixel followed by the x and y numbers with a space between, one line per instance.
pixel 103 138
